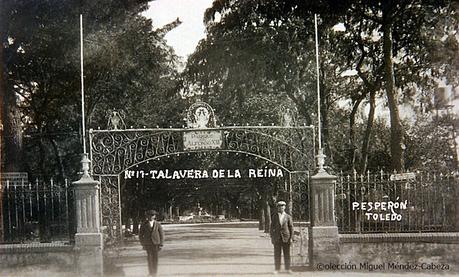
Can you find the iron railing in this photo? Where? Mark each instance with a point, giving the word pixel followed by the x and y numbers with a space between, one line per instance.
pixel 38 211
pixel 389 203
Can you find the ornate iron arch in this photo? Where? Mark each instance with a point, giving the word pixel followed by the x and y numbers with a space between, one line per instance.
pixel 114 151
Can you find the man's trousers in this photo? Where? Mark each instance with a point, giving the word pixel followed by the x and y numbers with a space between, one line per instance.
pixel 284 247
pixel 152 252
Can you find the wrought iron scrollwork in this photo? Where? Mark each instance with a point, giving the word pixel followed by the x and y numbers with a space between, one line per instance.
pixel 284 146
pixel 110 208
pixel 113 152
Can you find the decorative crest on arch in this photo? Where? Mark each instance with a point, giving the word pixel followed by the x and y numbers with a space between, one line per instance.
pixel 115 120
pixel 201 115
pixel 287 116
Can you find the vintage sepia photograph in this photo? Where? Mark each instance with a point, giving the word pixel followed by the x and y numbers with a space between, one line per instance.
pixel 229 138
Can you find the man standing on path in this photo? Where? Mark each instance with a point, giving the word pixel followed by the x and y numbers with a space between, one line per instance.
pixel 151 236
pixel 281 236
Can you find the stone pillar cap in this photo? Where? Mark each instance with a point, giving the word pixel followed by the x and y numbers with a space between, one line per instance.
pixel 323 175
pixel 86 180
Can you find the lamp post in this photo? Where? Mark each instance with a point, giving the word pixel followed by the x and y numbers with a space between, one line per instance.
pixel 323 241
pixel 88 239
pixel 320 152
pixel 83 127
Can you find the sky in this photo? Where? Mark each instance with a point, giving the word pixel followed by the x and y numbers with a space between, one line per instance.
pixel 185 37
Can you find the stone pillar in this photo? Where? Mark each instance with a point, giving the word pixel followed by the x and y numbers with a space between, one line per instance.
pixel 325 231
pixel 88 239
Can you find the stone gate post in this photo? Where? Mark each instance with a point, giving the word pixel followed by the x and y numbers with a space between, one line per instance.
pixel 324 230
pixel 88 239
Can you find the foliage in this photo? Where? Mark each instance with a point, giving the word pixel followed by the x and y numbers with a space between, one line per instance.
pixel 39 73
pixel 127 66
pixel 264 50
pixel 248 62
pixel 431 145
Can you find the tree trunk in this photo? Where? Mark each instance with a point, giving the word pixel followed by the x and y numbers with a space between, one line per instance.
pixel 367 135
pixel 267 217
pixel 352 147
pixel 2 92
pixel 10 118
pixel 261 209
pixel 267 212
pixel 290 197
pixel 302 110
pixel 42 158
pixel 396 134
pixel 300 104
pixel 59 161
pixel 12 134
pixel 136 222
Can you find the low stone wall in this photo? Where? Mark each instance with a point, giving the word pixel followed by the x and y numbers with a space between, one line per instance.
pixel 16 257
pixel 428 253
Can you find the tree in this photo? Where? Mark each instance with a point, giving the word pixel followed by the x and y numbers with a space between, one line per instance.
pixel 234 66
pixel 10 117
pixel 131 69
pixel 430 144
pixel 266 50
pixel 403 25
pixel 383 47
pixel 42 58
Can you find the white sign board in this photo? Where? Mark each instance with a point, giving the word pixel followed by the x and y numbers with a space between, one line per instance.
pixel 403 176
pixel 195 140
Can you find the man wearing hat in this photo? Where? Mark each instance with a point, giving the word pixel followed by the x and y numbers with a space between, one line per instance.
pixel 151 238
pixel 281 236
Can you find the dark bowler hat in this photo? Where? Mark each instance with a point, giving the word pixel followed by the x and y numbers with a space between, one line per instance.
pixel 281 203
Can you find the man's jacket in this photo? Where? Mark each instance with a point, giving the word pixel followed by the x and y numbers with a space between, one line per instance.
pixel 151 235
pixel 281 232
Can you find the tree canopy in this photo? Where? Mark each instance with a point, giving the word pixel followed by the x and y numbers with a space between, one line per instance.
pixel 128 66
pixel 256 48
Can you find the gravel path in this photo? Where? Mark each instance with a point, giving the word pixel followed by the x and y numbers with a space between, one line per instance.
pixel 235 249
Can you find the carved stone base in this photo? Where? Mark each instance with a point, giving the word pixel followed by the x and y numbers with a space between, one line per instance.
pixel 83 240
pixel 89 256
pixel 326 244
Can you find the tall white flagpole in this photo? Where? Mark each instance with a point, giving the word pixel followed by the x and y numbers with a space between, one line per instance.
pixel 82 86
pixel 320 154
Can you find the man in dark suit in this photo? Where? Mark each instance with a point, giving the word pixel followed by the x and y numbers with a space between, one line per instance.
pixel 281 236
pixel 151 236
